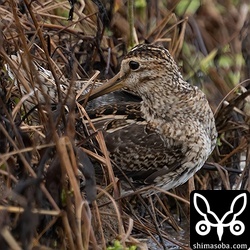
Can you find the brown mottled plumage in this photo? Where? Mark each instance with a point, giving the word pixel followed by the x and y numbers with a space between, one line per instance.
pixel 167 137
pixel 162 140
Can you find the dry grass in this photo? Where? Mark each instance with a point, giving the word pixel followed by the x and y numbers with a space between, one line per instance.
pixel 49 198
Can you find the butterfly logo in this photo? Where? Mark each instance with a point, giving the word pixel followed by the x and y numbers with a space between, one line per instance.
pixel 210 219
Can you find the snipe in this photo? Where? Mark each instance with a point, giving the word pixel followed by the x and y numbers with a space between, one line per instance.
pixel 164 139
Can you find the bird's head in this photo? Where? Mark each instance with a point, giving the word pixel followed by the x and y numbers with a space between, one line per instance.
pixel 146 69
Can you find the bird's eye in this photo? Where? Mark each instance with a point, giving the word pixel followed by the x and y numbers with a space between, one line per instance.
pixel 134 65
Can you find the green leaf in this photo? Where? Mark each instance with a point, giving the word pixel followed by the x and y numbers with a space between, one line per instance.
pixel 140 4
pixel 187 7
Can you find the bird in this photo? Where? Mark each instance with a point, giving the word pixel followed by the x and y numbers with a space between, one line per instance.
pixel 165 136
pixel 158 128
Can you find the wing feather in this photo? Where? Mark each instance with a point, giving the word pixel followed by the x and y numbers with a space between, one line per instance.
pixel 137 149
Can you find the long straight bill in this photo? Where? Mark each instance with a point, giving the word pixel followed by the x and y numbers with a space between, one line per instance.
pixel 113 84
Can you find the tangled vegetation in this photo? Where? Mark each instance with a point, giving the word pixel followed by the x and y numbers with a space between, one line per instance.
pixel 50 197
